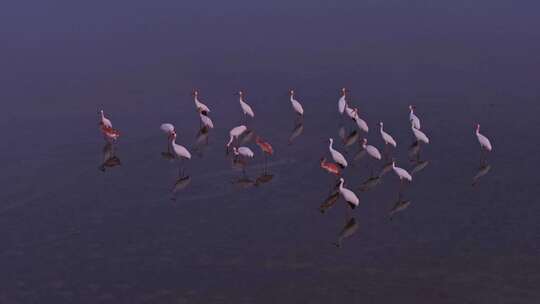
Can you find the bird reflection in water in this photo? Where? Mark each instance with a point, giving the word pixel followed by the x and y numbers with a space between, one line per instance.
pixel 297 130
pixel 110 159
pixel 414 157
pixel 330 201
pixel 370 183
pixel 239 163
pixel 419 165
pixel 351 138
pixel 168 129
pixel 180 184
pixel 247 136
pixel 243 182
pixel 414 151
pixel 386 168
pixel 201 140
pixel 264 178
pixel 400 205
pixel 482 170
pixel 350 228
pixel 342 132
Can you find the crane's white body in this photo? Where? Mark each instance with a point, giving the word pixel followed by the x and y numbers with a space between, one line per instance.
pixel 105 121
pixel 245 107
pixel 413 118
pixel 336 155
pixel 167 128
pixel 342 102
pixel 401 173
pixel 371 150
pixel 420 136
pixel 349 196
pixel 201 107
pixel 235 133
pixel 362 125
pixel 483 140
pixel 389 140
pixel 206 121
pixel 179 150
pixel 297 107
pixel 243 151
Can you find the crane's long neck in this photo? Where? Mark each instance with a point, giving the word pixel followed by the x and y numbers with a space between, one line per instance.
pixel 477 130
pixel 330 145
pixel 341 185
pixel 102 115
pixel 230 140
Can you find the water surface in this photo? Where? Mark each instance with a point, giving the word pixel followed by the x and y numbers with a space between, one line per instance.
pixel 75 231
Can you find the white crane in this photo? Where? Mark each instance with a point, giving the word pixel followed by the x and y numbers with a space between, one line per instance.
pixel 336 155
pixel 206 121
pixel 342 102
pixel 401 173
pixel 420 136
pixel 362 125
pixel 297 107
pixel 235 132
pixel 413 118
pixel 243 151
pixel 245 107
pixel 105 121
pixel 201 107
pixel 180 151
pixel 371 150
pixel 388 140
pixel 348 195
pixel 483 140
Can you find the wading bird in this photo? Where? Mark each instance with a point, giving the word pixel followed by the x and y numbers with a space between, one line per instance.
pixel 362 125
pixel 342 102
pixel 246 109
pixel 401 173
pixel 201 107
pixel 265 147
pixel 388 140
pixel 244 152
pixel 180 151
pixel 206 121
pixel 235 132
pixel 371 150
pixel 330 167
pixel 297 107
pixel 485 144
pixel 413 118
pixel 336 155
pixel 104 121
pixel 419 135
pixel 348 195
pixel 110 134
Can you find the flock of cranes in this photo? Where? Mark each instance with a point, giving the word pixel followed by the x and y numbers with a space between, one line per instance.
pixel 334 167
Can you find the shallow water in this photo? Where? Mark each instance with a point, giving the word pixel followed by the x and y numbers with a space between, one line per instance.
pixel 75 231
